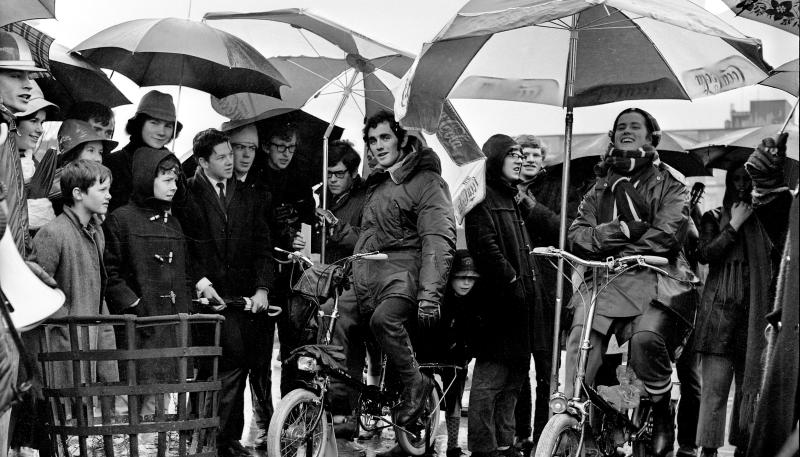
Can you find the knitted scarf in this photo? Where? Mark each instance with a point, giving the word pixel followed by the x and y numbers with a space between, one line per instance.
pixel 626 163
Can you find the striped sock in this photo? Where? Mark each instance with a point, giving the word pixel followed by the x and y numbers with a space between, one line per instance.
pixel 658 388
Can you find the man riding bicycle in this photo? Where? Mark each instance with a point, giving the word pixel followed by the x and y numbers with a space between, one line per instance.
pixel 636 207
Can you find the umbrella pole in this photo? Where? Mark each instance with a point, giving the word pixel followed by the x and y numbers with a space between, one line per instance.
pixel 345 95
pixel 562 229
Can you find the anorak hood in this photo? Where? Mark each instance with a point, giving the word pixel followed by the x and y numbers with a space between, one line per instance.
pixel 414 162
pixel 145 165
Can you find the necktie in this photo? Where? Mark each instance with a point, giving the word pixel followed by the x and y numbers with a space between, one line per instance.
pixel 221 187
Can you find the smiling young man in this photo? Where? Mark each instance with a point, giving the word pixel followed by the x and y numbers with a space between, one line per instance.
pixel 408 215
pixel 499 243
pixel 230 256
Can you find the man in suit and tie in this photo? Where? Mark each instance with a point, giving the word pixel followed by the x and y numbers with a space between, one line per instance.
pixel 230 256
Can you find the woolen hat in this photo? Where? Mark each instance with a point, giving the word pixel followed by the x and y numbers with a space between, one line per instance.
pixel 74 133
pixel 15 53
pixel 158 105
pixel 36 103
pixel 463 265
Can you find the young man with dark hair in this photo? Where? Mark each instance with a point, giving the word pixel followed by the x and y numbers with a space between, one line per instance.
pixel 154 125
pixel 230 256
pixel 98 115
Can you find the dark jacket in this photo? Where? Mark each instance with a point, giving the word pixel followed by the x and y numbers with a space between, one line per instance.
pixel 348 209
pixel 409 216
pixel 499 243
pixel 146 261
pixel 596 234
pixel 231 248
pixel 121 165
pixel 292 202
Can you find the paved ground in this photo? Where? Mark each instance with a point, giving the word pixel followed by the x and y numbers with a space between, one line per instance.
pixel 386 441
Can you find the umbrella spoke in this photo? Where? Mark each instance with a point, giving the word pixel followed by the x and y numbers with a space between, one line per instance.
pixel 338 80
pixel 358 105
pixel 328 82
pixel 558 21
pixel 606 20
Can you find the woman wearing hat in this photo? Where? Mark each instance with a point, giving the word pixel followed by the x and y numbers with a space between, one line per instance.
pixel 37 172
pixel 154 125
pixel 77 140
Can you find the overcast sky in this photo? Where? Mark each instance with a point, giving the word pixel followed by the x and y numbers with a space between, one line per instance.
pixel 406 25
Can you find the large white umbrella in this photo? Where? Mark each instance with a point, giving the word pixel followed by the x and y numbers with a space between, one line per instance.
pixel 575 53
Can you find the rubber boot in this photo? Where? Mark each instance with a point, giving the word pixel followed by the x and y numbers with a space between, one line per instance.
pixel 663 427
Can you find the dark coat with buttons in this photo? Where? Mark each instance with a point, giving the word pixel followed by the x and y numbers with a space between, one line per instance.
pixel 231 247
pixel 498 240
pixel 146 261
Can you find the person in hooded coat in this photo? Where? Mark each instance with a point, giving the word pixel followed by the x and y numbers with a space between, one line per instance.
pixel 407 215
pixel 501 335
pixel 146 259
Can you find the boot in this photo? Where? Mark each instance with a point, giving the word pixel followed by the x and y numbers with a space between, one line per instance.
pixel 708 452
pixel 413 401
pixel 663 427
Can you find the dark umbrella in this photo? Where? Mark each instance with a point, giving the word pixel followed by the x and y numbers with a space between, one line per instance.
pixel 70 78
pixel 172 51
pixel 22 10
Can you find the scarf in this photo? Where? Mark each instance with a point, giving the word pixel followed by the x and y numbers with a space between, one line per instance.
pixel 626 163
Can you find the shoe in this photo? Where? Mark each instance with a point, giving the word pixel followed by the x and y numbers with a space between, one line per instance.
pixel 708 452
pixel 413 401
pixel 233 449
pixel 686 452
pixel 393 452
pixel 525 447
pixel 261 439
pixel 454 452
pixel 346 429
pixel 348 448
pixel 510 452
pixel 663 427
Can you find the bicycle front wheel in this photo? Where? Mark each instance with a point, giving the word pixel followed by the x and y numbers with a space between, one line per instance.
pixel 424 427
pixel 297 426
pixel 560 437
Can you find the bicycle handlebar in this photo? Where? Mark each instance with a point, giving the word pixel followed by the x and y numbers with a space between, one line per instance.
pixel 298 256
pixel 610 263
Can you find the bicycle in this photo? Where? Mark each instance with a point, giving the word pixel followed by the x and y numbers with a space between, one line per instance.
pixel 299 425
pixel 591 418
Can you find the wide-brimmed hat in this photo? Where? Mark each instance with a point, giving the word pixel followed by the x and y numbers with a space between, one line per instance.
pixel 158 105
pixel 464 266
pixel 36 103
pixel 74 133
pixel 15 53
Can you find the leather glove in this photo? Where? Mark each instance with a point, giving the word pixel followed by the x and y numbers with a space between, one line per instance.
pixel 765 164
pixel 428 314
pixel 634 229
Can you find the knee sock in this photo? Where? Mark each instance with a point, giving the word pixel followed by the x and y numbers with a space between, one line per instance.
pixel 452 431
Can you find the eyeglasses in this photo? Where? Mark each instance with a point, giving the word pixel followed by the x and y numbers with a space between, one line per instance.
pixel 281 148
pixel 338 174
pixel 239 147
pixel 516 155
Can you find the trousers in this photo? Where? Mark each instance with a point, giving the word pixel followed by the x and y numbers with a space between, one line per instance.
pixel 388 325
pixel 492 400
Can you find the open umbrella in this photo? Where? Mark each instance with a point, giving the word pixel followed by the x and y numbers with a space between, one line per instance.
pixel 786 77
pixel 733 148
pixel 672 150
pixel 70 78
pixel 173 51
pixel 349 71
pixel 22 10
pixel 681 51
pixel 783 14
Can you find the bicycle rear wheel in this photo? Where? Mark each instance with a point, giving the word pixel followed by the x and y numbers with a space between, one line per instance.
pixel 292 430
pixel 560 437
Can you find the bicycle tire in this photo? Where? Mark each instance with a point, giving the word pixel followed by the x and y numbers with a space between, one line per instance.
pixel 430 421
pixel 287 428
pixel 552 444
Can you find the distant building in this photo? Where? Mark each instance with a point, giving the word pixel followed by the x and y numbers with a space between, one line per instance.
pixel 762 112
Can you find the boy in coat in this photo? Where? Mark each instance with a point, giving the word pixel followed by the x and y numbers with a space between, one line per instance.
pixel 230 256
pixel 70 249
